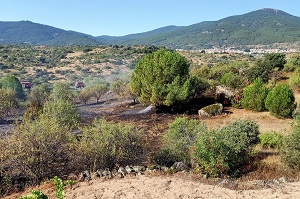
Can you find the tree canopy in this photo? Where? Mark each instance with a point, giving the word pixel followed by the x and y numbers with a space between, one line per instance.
pixel 162 78
pixel 13 83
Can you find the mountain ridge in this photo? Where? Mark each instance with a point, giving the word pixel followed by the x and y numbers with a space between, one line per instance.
pixel 264 26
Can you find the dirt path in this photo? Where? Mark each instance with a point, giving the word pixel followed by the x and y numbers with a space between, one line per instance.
pixel 171 187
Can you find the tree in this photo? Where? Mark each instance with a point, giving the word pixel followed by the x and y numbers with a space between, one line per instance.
pixel 98 90
pixel 8 102
pixel 118 87
pixel 63 111
pixel 61 91
pixel 254 96
pixel 13 83
pixel 162 78
pixel 275 60
pixel 39 94
pixel 281 101
pixel 85 95
pixel 259 70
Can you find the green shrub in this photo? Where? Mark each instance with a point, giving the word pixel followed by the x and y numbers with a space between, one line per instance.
pixel 271 140
pixel 281 101
pixel 103 144
pixel 249 127
pixel 232 80
pixel 254 96
pixel 294 80
pixel 290 151
pixel 179 139
pixel 37 150
pixel 226 151
pixel 35 194
pixel 63 111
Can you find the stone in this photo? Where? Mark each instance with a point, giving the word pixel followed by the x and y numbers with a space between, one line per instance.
pixel 180 166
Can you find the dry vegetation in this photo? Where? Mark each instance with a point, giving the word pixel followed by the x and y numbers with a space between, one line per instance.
pixel 104 62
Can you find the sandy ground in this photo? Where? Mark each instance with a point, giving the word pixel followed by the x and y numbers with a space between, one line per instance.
pixel 172 187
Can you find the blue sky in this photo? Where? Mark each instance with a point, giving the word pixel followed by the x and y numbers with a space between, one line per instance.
pixel 121 17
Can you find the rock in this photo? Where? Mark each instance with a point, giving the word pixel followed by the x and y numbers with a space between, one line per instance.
pixel 128 169
pixel 98 173
pixel 180 166
pixel 122 172
pixel 139 169
pixel 227 183
pixel 211 110
pixel 282 180
pixel 107 174
pixel 85 175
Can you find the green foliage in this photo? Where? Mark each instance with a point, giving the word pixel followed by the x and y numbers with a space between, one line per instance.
pixel 60 187
pixel 179 139
pixel 37 150
pixel 293 63
pixel 271 140
pixel 162 78
pixel 11 82
pixel 103 144
pixel 274 60
pixel 226 151
pixel 98 90
pixel 290 151
pixel 259 70
pixel 61 91
pixel 39 94
pixel 232 80
pixel 281 101
pixel 35 194
pixel 8 102
pixel 63 111
pixel 294 80
pixel 85 95
pixel 254 96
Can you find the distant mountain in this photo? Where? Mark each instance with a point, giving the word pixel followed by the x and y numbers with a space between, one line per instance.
pixel 265 26
pixel 37 34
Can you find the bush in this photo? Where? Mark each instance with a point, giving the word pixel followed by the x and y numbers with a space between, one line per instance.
pixel 290 151
pixel 103 144
pixel 225 152
pixel 294 80
pixel 232 80
pixel 254 96
pixel 37 150
pixel 179 139
pixel 63 111
pixel 271 140
pixel 249 127
pixel 281 101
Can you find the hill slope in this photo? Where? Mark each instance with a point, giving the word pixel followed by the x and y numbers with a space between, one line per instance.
pixel 265 26
pixel 38 34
